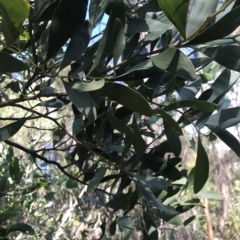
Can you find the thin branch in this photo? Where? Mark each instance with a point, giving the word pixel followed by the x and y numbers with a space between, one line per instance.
pixel 34 154
pixel 26 98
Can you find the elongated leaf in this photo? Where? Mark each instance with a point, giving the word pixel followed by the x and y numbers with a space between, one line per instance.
pixel 151 227
pixel 78 44
pixel 176 62
pixel 96 179
pixel 153 200
pixel 14 13
pixel 106 44
pixel 172 138
pixel 189 220
pixel 82 101
pixel 224 119
pixel 11 129
pixel 176 11
pixel 47 13
pixel 88 86
pixel 145 25
pixel 168 117
pixel 229 140
pixel 96 10
pixel 119 125
pixel 113 227
pixel 22 227
pixel 153 182
pixel 200 11
pixel 118 41
pixel 227 56
pixel 138 142
pixel 68 15
pixel 127 97
pixel 201 168
pixel 210 195
pixel 225 26
pixel 9 64
pixel 195 104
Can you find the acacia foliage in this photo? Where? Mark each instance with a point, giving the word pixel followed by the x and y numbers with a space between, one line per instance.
pixel 121 84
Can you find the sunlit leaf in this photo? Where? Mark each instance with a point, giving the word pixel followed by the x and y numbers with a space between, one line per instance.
pixel 210 195
pixel 88 86
pixel 200 11
pixel 127 97
pixel 176 11
pixel 225 26
pixel 14 13
pixel 176 62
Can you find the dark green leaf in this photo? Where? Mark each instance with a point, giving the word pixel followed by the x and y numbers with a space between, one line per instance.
pixel 47 13
pixel 88 86
pixel 138 142
pixel 78 44
pixel 168 117
pixel 9 213
pixel 224 119
pixel 172 138
pixel 106 44
pixel 11 129
pixel 127 97
pixel 201 168
pixel 71 184
pixel 195 104
pixel 10 64
pixel 22 227
pixel 227 56
pixel 82 101
pixel 68 15
pixel 112 227
pixel 176 11
pixel 97 179
pixel 118 41
pixel 133 199
pixel 119 125
pixel 189 220
pixel 146 25
pixel 225 26
pixel 103 228
pixel 152 231
pixel 176 62
pixel 229 140
pixel 58 134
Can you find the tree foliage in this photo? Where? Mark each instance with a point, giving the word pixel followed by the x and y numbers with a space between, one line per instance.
pixel 103 115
